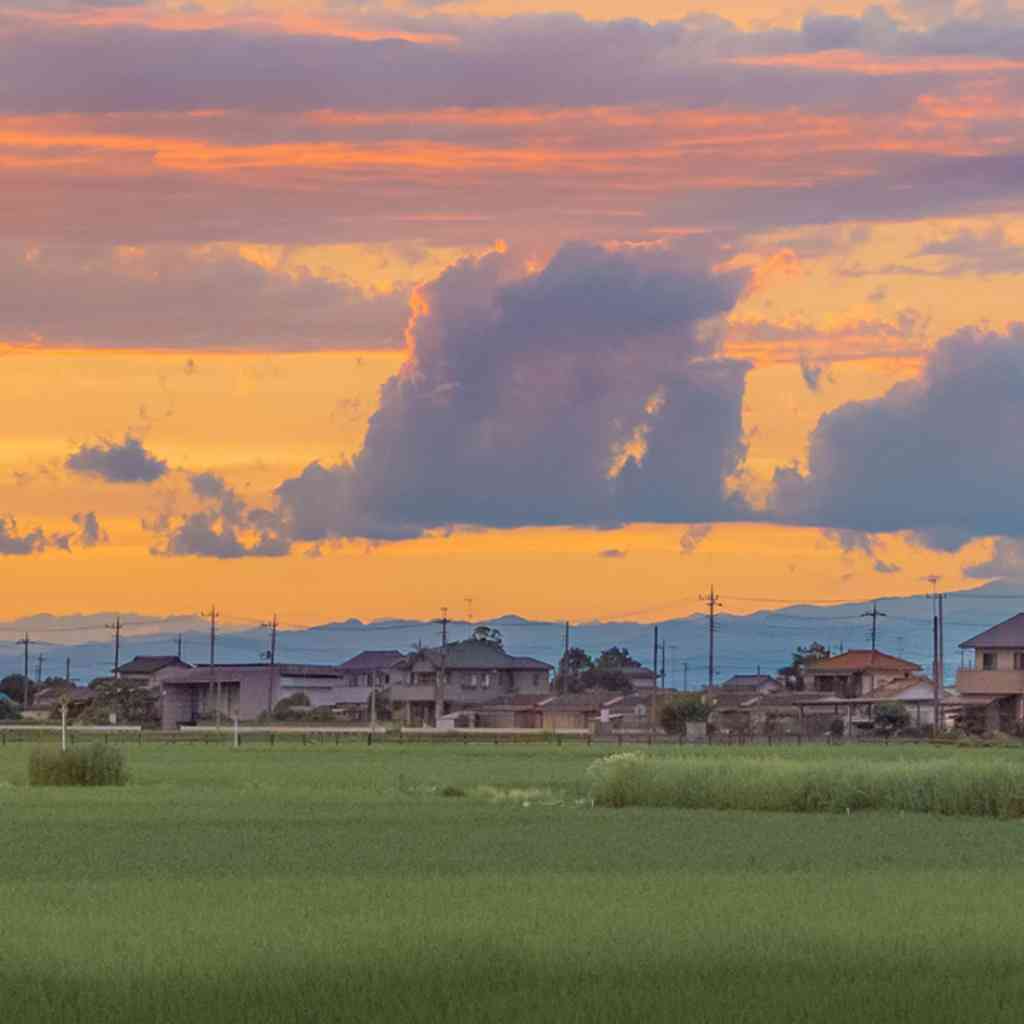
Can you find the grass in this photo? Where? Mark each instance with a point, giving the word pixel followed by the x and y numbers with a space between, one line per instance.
pixel 94 765
pixel 720 780
pixel 300 884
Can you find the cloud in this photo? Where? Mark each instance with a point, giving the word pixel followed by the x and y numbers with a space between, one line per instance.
pixel 13 542
pixel 810 372
pixel 225 527
pixel 936 455
pixel 975 252
pixel 1005 562
pixel 35 541
pixel 693 536
pixel 612 553
pixel 588 392
pixel 179 296
pixel 125 462
pixel 90 533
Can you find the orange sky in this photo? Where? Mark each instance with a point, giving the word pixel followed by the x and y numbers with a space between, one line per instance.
pixel 229 282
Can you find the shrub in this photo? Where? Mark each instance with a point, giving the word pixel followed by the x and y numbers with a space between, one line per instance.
pixel 95 765
pixel 891 717
pixel 990 788
pixel 289 708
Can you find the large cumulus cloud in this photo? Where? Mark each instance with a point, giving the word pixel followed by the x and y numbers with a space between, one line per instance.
pixel 939 455
pixel 588 392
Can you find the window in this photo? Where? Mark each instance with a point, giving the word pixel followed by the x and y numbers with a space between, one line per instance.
pixel 988 661
pixel 1018 660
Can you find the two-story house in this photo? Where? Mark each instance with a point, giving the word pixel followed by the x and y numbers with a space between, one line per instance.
pixel 432 681
pixel 856 673
pixel 994 683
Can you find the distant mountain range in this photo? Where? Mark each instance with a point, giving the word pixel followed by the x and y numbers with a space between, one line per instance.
pixel 762 640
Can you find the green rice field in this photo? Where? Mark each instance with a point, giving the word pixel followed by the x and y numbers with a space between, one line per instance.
pixel 480 883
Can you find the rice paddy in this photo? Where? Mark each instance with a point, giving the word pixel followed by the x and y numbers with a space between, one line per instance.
pixel 408 883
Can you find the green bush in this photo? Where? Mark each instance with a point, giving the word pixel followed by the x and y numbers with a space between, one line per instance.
pixel 707 781
pixel 94 765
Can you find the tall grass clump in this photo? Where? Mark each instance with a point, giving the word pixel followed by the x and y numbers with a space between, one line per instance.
pixel 991 789
pixel 94 765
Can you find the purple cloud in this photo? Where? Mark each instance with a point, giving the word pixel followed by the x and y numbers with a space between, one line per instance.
pixel 117 462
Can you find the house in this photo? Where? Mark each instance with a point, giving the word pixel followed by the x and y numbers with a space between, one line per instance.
pixel 856 673
pixel 639 677
pixel 246 690
pixel 575 710
pixel 757 683
pixel 433 681
pixel 150 670
pixel 994 683
pixel 369 668
pixel 47 700
pixel 515 711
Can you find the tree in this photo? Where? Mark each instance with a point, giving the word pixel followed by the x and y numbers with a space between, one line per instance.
pixel 616 658
pixel 598 678
pixel 802 657
pixel 132 702
pixel 14 686
pixel 675 714
pixel 574 662
pixel 487 635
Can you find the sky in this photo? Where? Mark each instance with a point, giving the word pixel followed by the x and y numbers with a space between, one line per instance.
pixel 569 309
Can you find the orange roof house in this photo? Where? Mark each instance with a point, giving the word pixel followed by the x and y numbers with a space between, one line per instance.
pixel 857 673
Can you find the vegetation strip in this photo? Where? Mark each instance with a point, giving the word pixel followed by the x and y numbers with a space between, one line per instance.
pixel 707 780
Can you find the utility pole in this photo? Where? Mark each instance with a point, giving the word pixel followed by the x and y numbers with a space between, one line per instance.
pixel 26 691
pixel 565 660
pixel 686 677
pixel 654 689
pixel 116 627
pixel 940 670
pixel 179 647
pixel 713 603
pixel 874 615
pixel 67 671
pixel 441 677
pixel 214 683
pixel 469 615
pixel 40 658
pixel 271 656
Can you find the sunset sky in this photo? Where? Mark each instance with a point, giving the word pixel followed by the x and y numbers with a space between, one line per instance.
pixel 360 309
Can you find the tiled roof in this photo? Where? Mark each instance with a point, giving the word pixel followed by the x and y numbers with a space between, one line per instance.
pixel 1007 634
pixel 145 664
pixel 859 661
pixel 751 682
pixel 371 661
pixel 474 654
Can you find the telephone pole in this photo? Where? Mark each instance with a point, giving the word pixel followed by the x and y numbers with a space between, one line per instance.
pixel 713 603
pixel 271 657
pixel 67 671
pixel 874 615
pixel 40 658
pixel 179 646
pixel 212 615
pixel 565 660
pixel 26 691
pixel 654 689
pixel 116 627
pixel 442 675
pixel 940 665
